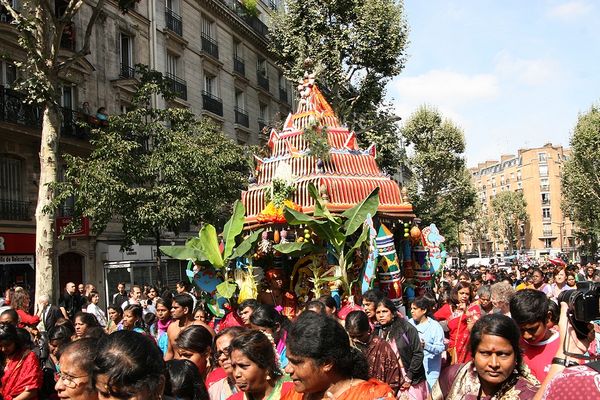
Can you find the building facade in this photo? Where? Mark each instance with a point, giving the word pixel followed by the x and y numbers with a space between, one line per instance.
pixel 535 172
pixel 214 54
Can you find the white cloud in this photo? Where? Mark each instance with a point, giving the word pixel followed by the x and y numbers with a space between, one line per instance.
pixel 569 10
pixel 442 87
pixel 533 72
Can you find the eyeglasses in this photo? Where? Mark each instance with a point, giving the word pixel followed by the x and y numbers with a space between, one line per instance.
pixel 224 352
pixel 69 380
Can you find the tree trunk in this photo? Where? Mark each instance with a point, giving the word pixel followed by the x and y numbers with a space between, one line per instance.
pixel 45 271
pixel 479 248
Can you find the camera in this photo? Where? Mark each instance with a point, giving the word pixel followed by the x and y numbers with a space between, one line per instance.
pixel 584 305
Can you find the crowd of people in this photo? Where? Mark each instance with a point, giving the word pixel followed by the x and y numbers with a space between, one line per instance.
pixel 478 334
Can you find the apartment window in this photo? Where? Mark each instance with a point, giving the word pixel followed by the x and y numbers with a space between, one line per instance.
pixel 8 73
pixel 12 206
pixel 543 170
pixel 66 99
pixel 544 184
pixel 210 84
pixel 177 85
pixel 126 53
pixel 241 116
pixel 209 38
pixel 502 180
pixel 547 243
pixel 542 158
pixel 283 93
pixel 545 198
pixel 239 64
pixel 172 19
pixel 546 212
pixel 262 73
pixel 547 229
pixel 172 62
pixel 518 175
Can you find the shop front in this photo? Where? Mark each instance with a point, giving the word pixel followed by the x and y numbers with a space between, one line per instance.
pixel 17 260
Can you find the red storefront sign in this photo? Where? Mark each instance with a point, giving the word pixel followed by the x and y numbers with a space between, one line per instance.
pixel 62 222
pixel 17 243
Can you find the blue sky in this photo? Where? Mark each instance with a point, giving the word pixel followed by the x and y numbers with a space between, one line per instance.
pixel 511 74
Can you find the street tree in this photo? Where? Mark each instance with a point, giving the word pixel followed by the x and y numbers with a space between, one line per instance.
pixel 356 47
pixel 581 180
pixel 478 226
pixel 154 169
pixel 440 189
pixel 509 210
pixel 40 25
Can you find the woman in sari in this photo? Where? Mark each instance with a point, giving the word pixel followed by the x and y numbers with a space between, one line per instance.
pixel 22 376
pixel 497 370
pixel 255 368
pixel 322 364
pixel 220 381
pixel 455 317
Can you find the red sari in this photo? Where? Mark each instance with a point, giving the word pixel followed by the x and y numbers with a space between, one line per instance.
pixel 22 373
pixel 459 332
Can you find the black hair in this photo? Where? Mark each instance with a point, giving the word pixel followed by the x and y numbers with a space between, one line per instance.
pixel 315 306
pixel 10 333
pixel 83 353
pixel 389 304
pixel 150 319
pixel 138 313
pixel 528 306
pixel 95 332
pixel 184 381
pixel 117 308
pixel 373 295
pixel 554 311
pixel 232 331
pixel 259 349
pixel 132 363
pixel 195 338
pixel 358 321
pixel 185 300
pixel 13 314
pixel 324 340
pixel 204 308
pixel 496 325
pixel 252 303
pixel 266 316
pixel 88 319
pixel 424 303
pixel 328 301
pixel 164 302
pixel 184 284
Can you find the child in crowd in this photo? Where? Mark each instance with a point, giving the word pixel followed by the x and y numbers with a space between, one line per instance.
pixel 530 310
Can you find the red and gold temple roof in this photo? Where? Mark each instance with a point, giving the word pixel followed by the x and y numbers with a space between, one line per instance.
pixel 346 178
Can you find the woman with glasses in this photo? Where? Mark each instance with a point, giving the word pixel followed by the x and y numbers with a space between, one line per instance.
pixel 22 376
pixel 220 381
pixel 74 380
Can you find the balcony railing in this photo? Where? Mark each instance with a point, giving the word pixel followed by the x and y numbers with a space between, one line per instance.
pixel 14 210
pixel 127 71
pixel 174 22
pixel 253 22
pixel 546 202
pixel 177 85
pixel 239 66
pixel 212 103
pixel 283 95
pixel 241 117
pixel 210 46
pixel 263 80
pixel 544 188
pixel 13 109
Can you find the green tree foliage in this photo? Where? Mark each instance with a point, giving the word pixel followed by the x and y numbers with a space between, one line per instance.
pixel 581 179
pixel 478 226
pixel 154 169
pixel 509 210
pixel 357 47
pixel 440 189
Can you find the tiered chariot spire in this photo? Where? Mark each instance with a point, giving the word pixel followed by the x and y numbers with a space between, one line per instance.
pixel 313 147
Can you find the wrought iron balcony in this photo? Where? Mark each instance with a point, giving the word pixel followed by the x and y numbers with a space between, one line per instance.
pixel 127 71
pixel 283 95
pixel 239 66
pixel 212 103
pixel 177 85
pixel 78 125
pixel 174 23
pixel 13 109
pixel 210 46
pixel 14 210
pixel 241 117
pixel 263 80
pixel 253 22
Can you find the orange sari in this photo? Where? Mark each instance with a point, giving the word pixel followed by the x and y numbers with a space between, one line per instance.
pixel 367 390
